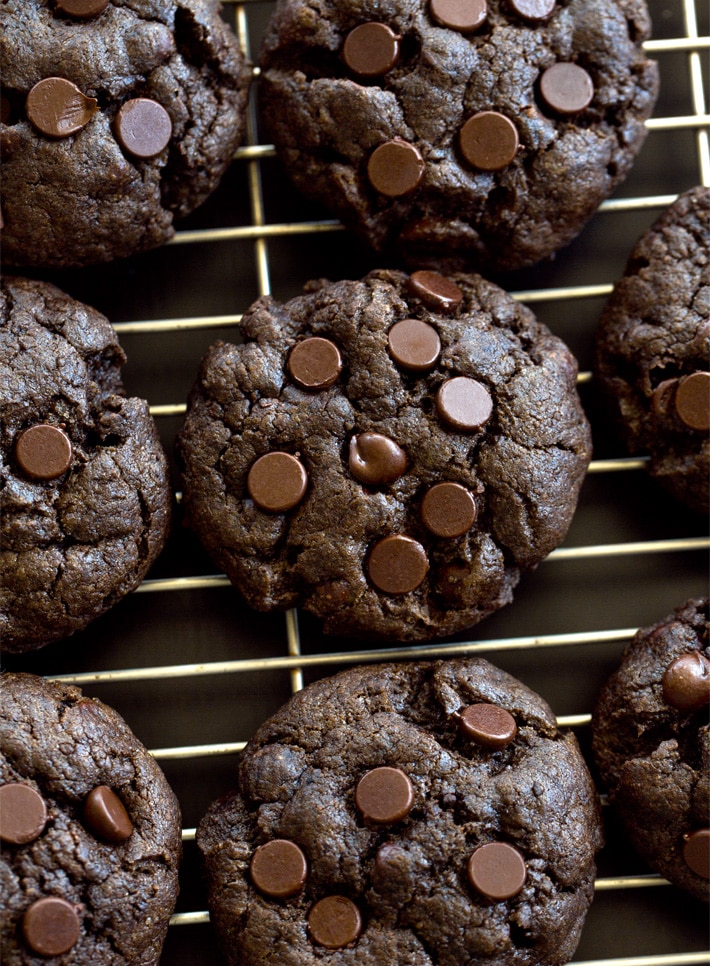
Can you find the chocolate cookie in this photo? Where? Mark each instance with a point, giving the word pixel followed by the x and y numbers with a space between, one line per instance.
pixel 651 742
pixel 424 813
pixel 90 832
pixel 653 350
pixel 457 134
pixel 85 495
pixel 117 120
pixel 389 454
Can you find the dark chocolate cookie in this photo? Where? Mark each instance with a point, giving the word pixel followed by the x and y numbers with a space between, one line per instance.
pixel 85 495
pixel 457 134
pixel 423 813
pixel 90 832
pixel 653 350
pixel 118 118
pixel 651 742
pixel 389 453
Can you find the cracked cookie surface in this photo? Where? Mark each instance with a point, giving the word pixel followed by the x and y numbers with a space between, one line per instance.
pixel 455 140
pixel 114 125
pixel 85 496
pixel 396 784
pixel 389 453
pixel 90 832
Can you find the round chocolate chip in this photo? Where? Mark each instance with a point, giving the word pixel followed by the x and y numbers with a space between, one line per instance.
pixel 436 291
pixel 463 15
pixel 489 141
pixel 448 510
pixel 278 868
pixel 376 460
pixel 395 168
pixel 464 403
pixel 277 482
pixel 334 922
pixel 51 926
pixel 686 682
pixel 43 452
pixel 143 127
pixel 82 9
pixel 497 870
pixel 397 564
pixel 57 108
pixel 315 363
pixel 105 815
pixel 566 88
pixel 488 725
pixel 692 400
pixel 534 11
pixel 696 852
pixel 414 344
pixel 384 795
pixel 23 813
pixel 371 49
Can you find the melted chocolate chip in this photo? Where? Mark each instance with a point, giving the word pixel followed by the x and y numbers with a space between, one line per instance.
pixel 23 813
pixel 497 870
pixel 376 460
pixel 371 49
pixel 334 922
pixel 278 869
pixel 43 452
pixel 51 926
pixel 277 482
pixel 105 815
pixel 143 128
pixel 696 852
pixel 464 403
pixel 463 15
pixel 448 510
pixel 436 291
pixel 315 363
pixel 397 564
pixel 489 141
pixel 686 682
pixel 488 725
pixel 692 400
pixel 566 88
pixel 395 168
pixel 384 795
pixel 414 344
pixel 533 11
pixel 82 9
pixel 58 109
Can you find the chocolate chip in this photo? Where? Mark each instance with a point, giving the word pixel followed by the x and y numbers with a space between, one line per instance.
pixel 376 460
pixel 395 168
pixel 566 88
pixel 397 564
pixel 143 127
pixel 384 795
pixel 497 870
pixel 105 815
pixel 57 108
pixel 278 868
pixel 489 141
pixel 414 344
pixel 696 852
pixel 448 509
pixel 692 400
pixel 436 291
pixel 315 363
pixel 82 9
pixel 488 725
pixel 23 813
pixel 277 482
pixel 43 452
pixel 464 403
pixel 463 15
pixel 686 682
pixel 51 926
pixel 533 11
pixel 334 922
pixel 371 49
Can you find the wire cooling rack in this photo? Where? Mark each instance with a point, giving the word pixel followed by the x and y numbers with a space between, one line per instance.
pixel 195 672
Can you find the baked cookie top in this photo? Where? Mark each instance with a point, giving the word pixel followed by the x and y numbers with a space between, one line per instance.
pixel 424 813
pixel 651 742
pixel 85 495
pixel 90 831
pixel 118 118
pixel 653 349
pixel 458 135
pixel 388 453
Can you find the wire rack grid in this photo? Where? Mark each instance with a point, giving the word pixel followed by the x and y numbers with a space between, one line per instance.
pixel 188 659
